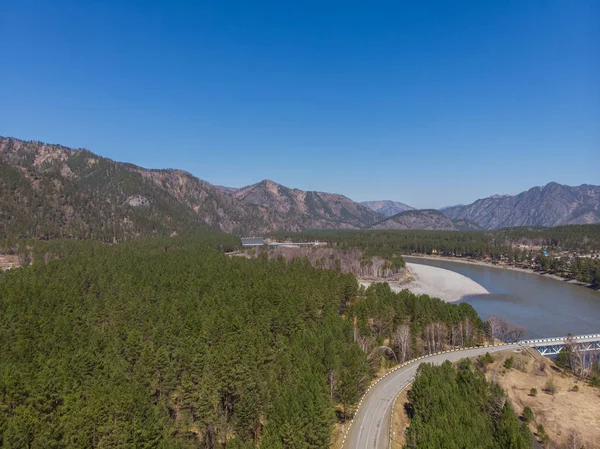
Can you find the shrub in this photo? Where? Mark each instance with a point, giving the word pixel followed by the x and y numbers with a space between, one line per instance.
pixel 520 364
pixel 533 392
pixel 508 363
pixel 550 387
pixel 575 388
pixel 486 359
pixel 527 415
pixel 542 434
pixel 541 370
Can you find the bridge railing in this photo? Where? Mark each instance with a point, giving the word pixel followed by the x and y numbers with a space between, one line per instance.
pixel 560 339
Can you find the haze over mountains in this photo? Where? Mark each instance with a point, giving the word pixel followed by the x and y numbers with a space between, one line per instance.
pixel 51 191
pixel 551 205
pixel 387 207
pixel 428 219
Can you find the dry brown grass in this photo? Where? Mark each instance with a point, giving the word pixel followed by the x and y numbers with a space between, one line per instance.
pixel 400 420
pixel 337 437
pixel 560 413
pixel 7 261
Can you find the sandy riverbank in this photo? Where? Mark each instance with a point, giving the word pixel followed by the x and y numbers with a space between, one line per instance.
pixel 501 266
pixel 437 282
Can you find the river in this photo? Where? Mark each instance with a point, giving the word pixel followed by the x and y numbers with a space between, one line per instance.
pixel 546 307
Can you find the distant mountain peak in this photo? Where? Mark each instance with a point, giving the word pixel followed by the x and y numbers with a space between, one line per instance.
pixel 308 209
pixel 551 205
pixel 428 219
pixel 388 208
pixel 78 194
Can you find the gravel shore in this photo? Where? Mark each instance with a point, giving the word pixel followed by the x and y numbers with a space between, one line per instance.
pixel 438 283
pixel 505 267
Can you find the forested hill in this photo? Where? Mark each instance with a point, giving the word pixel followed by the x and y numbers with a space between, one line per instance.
pixel 426 219
pixel 387 207
pixel 50 191
pixel 308 210
pixel 551 205
pixel 454 407
pixel 168 343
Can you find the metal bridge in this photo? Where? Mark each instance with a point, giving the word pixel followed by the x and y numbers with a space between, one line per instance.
pixel 552 346
pixel 371 426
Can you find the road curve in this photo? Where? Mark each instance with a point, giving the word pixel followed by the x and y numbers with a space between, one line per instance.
pixel 371 425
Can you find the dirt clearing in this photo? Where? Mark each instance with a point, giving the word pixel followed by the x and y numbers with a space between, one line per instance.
pixel 7 262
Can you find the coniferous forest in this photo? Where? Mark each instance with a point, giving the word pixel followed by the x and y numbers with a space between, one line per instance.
pixel 550 250
pixel 455 407
pixel 170 343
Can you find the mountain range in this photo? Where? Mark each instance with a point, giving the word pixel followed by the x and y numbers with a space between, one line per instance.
pixel 51 191
pixel 308 209
pixel 387 207
pixel 428 219
pixel 551 205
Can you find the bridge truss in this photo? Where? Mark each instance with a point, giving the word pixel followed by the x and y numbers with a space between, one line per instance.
pixel 553 346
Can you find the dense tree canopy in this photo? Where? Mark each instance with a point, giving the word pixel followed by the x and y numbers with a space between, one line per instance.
pixel 510 245
pixel 583 238
pixel 455 408
pixel 170 343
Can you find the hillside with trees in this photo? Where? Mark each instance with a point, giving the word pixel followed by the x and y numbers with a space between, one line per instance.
pixel 308 209
pixel 170 343
pixel 455 407
pixel 558 250
pixel 360 263
pixel 426 219
pixel 50 191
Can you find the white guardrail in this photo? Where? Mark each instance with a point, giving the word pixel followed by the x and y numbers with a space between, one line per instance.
pixel 402 365
pixel 562 339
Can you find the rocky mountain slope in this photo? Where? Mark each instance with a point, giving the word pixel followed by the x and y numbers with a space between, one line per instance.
pixel 316 210
pixel 551 205
pixel 387 207
pixel 50 191
pixel 427 219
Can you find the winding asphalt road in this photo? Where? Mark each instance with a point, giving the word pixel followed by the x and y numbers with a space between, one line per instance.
pixel 371 425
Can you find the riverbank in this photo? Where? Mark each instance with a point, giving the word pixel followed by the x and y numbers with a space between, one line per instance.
pixel 503 267
pixel 435 282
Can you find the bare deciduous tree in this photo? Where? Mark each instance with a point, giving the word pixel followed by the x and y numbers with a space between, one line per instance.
pixel 435 335
pixel 456 337
pixel 493 323
pixel 516 333
pixel 468 329
pixel 503 330
pixel 402 339
pixel 332 380
pixel 441 332
pixel 429 338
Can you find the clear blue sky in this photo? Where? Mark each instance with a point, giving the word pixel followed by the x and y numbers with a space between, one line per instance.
pixel 428 103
